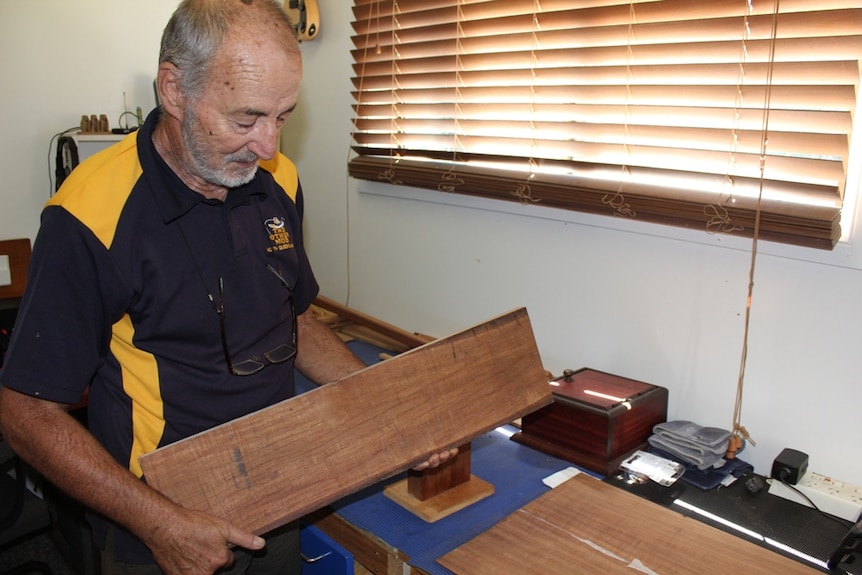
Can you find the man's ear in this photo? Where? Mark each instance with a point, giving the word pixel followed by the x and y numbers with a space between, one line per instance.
pixel 170 95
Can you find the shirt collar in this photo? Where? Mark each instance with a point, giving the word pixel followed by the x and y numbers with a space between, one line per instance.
pixel 172 195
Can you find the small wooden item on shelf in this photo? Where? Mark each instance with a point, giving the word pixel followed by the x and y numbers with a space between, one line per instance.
pixel 94 124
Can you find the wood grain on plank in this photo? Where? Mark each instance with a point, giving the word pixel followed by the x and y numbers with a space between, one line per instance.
pixel 273 466
pixel 587 526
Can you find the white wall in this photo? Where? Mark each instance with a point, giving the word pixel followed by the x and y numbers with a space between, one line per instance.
pixel 59 61
pixel 636 300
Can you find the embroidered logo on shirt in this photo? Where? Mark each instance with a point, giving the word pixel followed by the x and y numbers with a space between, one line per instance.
pixel 278 235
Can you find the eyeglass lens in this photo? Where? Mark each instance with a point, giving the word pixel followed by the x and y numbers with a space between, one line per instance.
pixel 280 354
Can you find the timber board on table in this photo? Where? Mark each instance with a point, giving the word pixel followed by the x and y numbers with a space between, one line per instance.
pixel 587 526
pixel 276 465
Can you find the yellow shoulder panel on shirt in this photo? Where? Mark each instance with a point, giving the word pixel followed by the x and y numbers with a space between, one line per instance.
pixel 95 195
pixel 284 172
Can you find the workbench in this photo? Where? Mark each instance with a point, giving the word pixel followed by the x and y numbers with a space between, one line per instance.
pixel 386 539
pixel 399 542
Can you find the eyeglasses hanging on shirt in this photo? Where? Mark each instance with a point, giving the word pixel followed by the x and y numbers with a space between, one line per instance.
pixel 280 354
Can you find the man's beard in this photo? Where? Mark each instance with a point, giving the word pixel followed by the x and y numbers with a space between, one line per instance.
pixel 217 175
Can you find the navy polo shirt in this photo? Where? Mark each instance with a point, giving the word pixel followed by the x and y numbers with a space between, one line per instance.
pixel 119 293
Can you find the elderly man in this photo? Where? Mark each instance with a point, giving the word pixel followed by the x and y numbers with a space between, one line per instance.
pixel 169 280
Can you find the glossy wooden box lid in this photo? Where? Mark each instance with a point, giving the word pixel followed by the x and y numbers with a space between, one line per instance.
pixel 597 388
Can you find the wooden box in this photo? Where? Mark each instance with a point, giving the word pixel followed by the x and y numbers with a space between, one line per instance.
pixel 596 419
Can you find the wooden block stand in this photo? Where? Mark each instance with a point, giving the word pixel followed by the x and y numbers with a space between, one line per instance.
pixel 434 493
pixel 437 493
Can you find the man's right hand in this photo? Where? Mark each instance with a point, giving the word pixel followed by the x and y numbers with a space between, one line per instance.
pixel 183 541
pixel 192 542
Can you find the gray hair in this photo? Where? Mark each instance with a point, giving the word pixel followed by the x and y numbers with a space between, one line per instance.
pixel 197 28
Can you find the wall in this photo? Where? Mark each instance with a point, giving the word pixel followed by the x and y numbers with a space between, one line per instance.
pixel 658 305
pixel 641 301
pixel 59 61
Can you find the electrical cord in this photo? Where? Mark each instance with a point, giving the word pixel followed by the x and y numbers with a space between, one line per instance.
pixel 52 155
pixel 841 554
pixel 127 129
pixel 782 479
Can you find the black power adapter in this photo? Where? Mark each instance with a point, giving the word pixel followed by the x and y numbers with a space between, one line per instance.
pixel 790 466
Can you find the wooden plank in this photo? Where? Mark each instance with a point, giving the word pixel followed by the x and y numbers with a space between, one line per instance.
pixel 369 550
pixel 404 339
pixel 372 336
pixel 268 468
pixel 588 526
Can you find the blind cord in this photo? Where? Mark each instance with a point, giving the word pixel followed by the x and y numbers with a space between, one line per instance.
pixel 739 432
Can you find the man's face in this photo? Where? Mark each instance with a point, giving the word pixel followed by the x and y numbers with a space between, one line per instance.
pixel 252 89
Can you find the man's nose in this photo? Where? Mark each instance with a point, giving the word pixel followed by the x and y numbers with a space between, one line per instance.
pixel 265 142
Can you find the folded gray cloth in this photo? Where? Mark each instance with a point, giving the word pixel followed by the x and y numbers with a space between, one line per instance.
pixel 702 447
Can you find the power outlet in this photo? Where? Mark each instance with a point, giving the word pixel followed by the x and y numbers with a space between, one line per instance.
pixel 831 496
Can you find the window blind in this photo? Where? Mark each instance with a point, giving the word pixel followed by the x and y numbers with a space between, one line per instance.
pixel 695 113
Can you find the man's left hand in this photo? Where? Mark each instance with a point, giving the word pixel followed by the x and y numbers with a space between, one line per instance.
pixel 436 459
